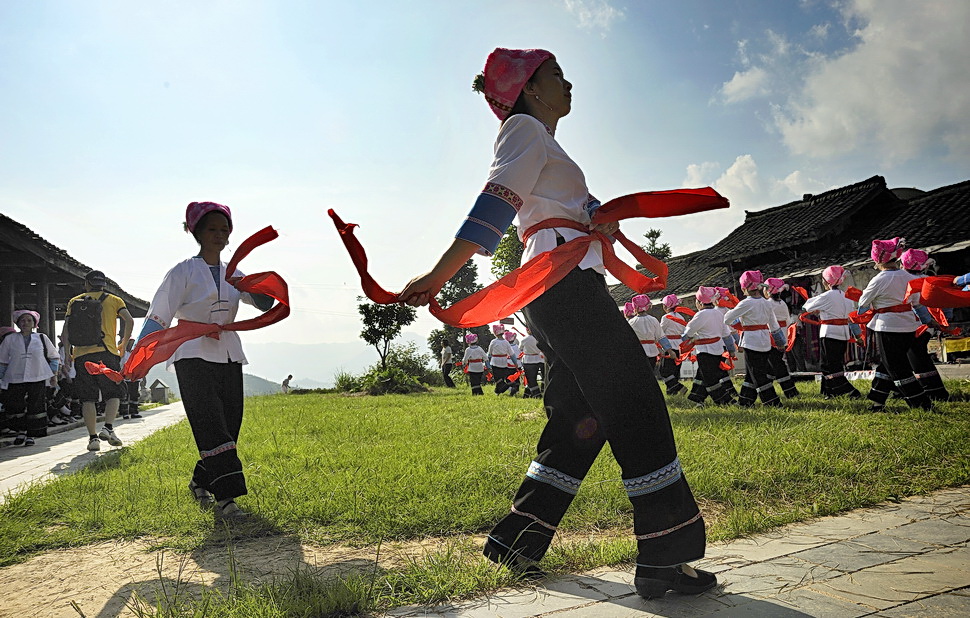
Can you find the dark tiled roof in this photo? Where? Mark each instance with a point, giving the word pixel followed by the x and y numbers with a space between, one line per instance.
pixel 797 223
pixel 937 217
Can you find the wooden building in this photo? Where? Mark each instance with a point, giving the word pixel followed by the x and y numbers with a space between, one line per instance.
pixel 36 275
pixel 796 241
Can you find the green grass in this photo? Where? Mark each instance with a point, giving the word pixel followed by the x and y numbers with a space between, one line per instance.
pixel 366 470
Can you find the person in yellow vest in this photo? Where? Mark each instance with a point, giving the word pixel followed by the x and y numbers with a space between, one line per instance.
pixel 105 349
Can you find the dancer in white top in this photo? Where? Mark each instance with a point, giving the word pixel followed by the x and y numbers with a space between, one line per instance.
pixel 833 309
pixel 672 324
pixel 759 330
pixel 474 362
pixel 710 337
pixel 648 330
pixel 777 367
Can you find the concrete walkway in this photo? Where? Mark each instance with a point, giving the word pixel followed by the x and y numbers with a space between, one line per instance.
pixel 65 449
pixel 910 558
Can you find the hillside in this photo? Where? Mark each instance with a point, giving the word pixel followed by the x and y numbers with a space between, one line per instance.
pixel 252 385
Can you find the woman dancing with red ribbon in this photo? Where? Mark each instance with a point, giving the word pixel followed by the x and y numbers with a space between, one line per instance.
pixel 204 293
pixel 562 287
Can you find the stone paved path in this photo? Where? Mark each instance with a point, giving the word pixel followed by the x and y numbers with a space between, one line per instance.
pixel 910 558
pixel 65 449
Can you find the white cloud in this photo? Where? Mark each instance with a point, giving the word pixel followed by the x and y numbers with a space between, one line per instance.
pixel 746 85
pixel 701 174
pixel 900 91
pixel 594 14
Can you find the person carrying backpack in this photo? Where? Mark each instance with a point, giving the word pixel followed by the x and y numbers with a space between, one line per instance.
pixel 91 335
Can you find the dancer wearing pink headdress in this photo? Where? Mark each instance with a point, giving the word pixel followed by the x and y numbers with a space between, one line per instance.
pixel 499 356
pixel 474 362
pixel 535 181
pixel 648 330
pixel 532 360
pixel 710 338
pixel 759 330
pixel 892 328
pixel 672 324
pixel 917 262
pixel 777 367
pixel 514 362
pixel 833 309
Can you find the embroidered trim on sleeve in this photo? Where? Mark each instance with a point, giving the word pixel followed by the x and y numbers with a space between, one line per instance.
pixel 504 193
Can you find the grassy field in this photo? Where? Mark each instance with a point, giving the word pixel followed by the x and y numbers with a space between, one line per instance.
pixel 367 470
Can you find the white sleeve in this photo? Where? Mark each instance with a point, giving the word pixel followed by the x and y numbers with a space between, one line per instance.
pixel 168 298
pixel 520 155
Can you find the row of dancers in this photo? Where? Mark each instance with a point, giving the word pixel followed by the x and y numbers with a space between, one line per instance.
pixel 896 328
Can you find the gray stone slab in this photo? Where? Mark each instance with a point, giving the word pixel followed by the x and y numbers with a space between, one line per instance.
pixel 834 528
pixel 774 544
pixel 863 552
pixel 941 606
pixel 774 577
pixel 670 606
pixel 885 516
pixel 610 583
pixel 558 596
pixel 888 585
pixel 816 604
pixel 938 532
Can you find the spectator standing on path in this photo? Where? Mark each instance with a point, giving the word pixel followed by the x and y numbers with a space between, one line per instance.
pixel 286 384
pixel 90 334
pixel 28 361
pixel 447 363
pixel 208 369
pixel 532 178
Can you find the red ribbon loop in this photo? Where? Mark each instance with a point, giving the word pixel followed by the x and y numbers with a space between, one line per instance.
pixel 526 283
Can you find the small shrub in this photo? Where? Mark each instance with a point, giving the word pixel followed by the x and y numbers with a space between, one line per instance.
pixel 394 380
pixel 407 358
pixel 346 382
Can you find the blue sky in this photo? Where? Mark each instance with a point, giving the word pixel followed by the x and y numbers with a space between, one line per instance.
pixel 114 115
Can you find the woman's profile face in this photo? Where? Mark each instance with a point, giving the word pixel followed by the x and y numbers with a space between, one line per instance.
pixel 213 231
pixel 552 88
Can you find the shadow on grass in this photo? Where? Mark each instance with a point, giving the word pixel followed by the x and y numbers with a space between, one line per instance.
pixel 250 563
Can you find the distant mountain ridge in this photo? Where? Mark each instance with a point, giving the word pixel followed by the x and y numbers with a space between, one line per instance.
pixel 252 385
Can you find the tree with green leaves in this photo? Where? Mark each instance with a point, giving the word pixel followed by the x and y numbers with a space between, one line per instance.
pixel 508 255
pixel 463 284
pixel 383 323
pixel 657 249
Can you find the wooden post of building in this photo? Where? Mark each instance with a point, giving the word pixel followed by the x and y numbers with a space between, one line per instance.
pixel 6 302
pixel 44 303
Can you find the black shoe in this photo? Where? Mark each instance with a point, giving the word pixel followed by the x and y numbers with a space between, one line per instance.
pixel 519 565
pixel 655 582
pixel 20 439
pixel 136 415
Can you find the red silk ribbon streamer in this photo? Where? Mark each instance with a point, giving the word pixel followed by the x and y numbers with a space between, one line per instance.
pixel 526 283
pixel 100 369
pixel 160 345
pixel 515 376
pixel 728 302
pixel 801 291
pixel 809 318
pixel 791 333
pixel 853 293
pixel 938 292
pixel 728 363
pixel 690 312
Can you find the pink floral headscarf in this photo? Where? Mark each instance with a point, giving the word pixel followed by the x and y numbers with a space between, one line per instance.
pixel 629 310
pixel 641 302
pixel 196 210
pixel 509 336
pixel 22 312
pixel 884 251
pixel 706 295
pixel 671 301
pixel 914 259
pixel 497 330
pixel 751 279
pixel 471 338
pixel 775 285
pixel 833 275
pixel 506 72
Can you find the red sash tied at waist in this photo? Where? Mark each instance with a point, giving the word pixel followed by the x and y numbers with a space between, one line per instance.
pixel 706 341
pixel 159 346
pixel 647 341
pixel 526 283
pixel 750 327
pixel 866 316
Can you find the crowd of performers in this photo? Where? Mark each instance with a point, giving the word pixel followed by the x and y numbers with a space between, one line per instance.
pixel 886 319
pixel 890 327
